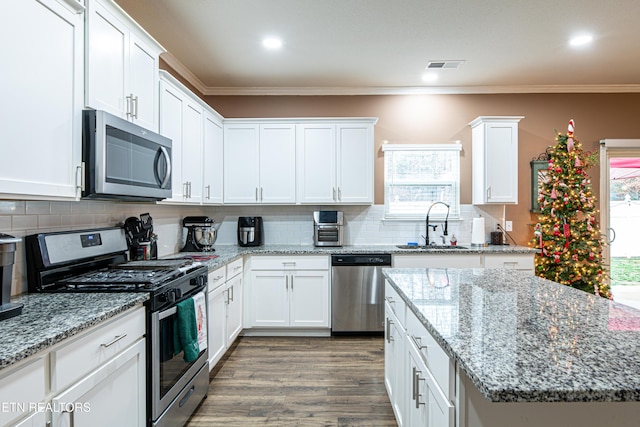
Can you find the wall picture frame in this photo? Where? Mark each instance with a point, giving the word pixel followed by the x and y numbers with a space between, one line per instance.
pixel 538 173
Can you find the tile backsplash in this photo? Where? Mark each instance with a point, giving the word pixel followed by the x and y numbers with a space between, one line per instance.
pixel 283 225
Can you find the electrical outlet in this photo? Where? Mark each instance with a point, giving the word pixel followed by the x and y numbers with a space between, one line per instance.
pixel 508 225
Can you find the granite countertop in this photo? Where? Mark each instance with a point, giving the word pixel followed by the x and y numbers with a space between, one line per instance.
pixel 227 253
pixel 521 338
pixel 49 318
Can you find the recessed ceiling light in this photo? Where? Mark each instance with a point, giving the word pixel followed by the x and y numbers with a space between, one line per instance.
pixel 272 43
pixel 581 40
pixel 429 77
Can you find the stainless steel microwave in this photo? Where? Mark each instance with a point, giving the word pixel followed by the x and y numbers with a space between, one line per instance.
pixel 122 160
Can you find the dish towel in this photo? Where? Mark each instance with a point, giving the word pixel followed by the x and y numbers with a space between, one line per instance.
pixel 200 306
pixel 190 320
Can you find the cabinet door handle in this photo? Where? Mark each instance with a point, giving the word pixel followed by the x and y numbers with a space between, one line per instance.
pixel 389 323
pixel 227 291
pixel 291 282
pixel 256 194
pixel 113 341
pixel 261 198
pixel 286 281
pixel 72 421
pixel 215 279
pixel 488 193
pixel 80 169
pixel 416 387
pixel 334 193
pixel 134 103
pixel 390 300
pixel 129 99
pixel 232 294
pixel 208 187
pixel 339 194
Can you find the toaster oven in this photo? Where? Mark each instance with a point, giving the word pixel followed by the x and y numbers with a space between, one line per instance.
pixel 327 228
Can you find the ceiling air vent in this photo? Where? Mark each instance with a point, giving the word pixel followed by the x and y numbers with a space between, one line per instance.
pixel 439 65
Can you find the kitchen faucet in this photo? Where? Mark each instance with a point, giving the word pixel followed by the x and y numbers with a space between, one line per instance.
pixel 445 227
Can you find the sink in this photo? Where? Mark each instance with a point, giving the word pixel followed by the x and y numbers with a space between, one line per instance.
pixel 431 247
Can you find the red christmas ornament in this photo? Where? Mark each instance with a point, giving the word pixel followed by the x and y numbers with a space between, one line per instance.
pixel 575 257
pixel 591 256
pixel 550 164
pixel 571 128
pixel 556 230
pixel 566 200
pixel 558 169
pixel 556 257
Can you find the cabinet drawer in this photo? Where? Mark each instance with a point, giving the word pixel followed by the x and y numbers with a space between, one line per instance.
pixel 23 386
pixel 516 262
pixel 438 261
pixel 234 268
pixel 397 304
pixel 93 349
pixel 438 362
pixel 217 278
pixel 303 262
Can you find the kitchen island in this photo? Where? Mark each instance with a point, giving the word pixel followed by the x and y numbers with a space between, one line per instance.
pixel 521 350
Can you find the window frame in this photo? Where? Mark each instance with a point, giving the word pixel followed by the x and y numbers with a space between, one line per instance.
pixel 455 205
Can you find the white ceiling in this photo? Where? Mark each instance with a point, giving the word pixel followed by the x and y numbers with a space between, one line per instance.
pixel 383 46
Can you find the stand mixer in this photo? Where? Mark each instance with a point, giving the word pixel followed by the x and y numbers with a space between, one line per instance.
pixel 201 234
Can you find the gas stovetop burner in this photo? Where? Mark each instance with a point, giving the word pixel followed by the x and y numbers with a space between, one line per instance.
pixel 129 276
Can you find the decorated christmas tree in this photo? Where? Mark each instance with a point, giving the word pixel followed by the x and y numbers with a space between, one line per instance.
pixel 567 233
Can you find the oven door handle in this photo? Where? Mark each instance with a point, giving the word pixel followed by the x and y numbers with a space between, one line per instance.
pixel 167 313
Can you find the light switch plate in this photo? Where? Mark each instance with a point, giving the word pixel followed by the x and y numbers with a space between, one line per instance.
pixel 508 225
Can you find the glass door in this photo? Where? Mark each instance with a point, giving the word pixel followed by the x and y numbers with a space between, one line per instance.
pixel 620 217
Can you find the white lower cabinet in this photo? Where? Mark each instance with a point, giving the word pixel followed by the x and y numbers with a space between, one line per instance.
pixel 20 387
pixel 521 262
pixel 419 376
pixel 37 419
pixel 225 309
pixel 114 394
pixel 289 292
pixel 428 407
pixel 95 379
pixel 438 261
pixel 394 363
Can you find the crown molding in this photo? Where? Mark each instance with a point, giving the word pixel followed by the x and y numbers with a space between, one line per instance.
pixel 184 72
pixel 204 90
pixel 421 90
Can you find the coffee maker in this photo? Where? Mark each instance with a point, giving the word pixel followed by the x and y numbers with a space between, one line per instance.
pixel 7 257
pixel 201 235
pixel 250 231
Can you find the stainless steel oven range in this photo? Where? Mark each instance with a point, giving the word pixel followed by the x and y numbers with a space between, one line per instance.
pixel 96 261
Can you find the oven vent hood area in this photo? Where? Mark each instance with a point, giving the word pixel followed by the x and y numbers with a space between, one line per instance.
pixel 123 161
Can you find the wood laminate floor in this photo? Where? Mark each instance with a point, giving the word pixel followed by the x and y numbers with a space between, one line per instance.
pixel 337 381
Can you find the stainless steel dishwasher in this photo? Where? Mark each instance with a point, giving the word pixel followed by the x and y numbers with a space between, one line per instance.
pixel 357 293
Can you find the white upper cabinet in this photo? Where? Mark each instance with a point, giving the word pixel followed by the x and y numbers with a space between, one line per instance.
pixel 213 159
pixel 335 162
pixel 355 163
pixel 277 163
pixel 43 78
pixel 495 159
pixel 259 163
pixel 121 65
pixel 182 121
pixel 316 147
